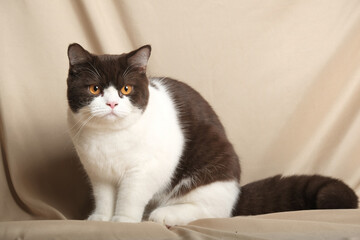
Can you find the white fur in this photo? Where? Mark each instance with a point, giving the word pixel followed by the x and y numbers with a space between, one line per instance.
pixel 209 201
pixel 130 157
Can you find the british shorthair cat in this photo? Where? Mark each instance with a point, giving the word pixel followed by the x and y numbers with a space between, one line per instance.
pixel 155 150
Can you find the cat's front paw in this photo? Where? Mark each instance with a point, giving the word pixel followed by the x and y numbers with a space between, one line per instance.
pixel 98 217
pixel 123 219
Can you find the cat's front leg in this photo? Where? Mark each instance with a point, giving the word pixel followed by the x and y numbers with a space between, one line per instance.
pixel 133 195
pixel 104 194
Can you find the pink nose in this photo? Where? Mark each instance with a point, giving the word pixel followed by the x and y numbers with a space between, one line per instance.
pixel 112 104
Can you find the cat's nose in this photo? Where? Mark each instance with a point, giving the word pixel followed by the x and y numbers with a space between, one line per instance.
pixel 112 104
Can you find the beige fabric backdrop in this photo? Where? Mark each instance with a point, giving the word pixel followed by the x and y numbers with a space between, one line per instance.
pixel 284 77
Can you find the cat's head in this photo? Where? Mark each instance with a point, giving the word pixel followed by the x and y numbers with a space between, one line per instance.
pixel 107 89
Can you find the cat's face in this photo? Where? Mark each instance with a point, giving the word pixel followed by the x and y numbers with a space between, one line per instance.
pixel 107 89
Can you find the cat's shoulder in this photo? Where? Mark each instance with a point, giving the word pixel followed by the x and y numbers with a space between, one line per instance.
pixel 179 90
pixel 192 107
pixel 167 82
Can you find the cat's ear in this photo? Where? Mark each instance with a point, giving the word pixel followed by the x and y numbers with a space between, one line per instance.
pixel 139 57
pixel 77 54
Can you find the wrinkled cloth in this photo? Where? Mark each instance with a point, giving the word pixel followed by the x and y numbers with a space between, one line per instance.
pixel 283 76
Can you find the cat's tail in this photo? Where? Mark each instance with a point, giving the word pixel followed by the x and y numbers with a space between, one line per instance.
pixel 279 194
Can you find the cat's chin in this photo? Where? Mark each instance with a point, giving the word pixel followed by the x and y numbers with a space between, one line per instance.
pixel 116 120
pixel 112 117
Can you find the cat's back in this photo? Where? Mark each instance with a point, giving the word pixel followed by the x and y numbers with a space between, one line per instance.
pixel 193 110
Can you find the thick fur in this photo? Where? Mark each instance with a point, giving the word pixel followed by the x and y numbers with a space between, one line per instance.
pixel 279 194
pixel 127 166
pixel 160 153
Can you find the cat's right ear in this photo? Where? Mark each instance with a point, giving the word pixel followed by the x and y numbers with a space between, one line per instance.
pixel 77 54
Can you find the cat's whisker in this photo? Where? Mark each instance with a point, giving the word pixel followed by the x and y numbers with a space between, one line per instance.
pixel 124 73
pixel 78 122
pixel 128 70
pixel 91 73
pixel 82 126
pixel 94 69
pixel 84 111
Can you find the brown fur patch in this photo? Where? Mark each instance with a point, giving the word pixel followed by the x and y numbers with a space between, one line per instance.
pixel 279 194
pixel 208 155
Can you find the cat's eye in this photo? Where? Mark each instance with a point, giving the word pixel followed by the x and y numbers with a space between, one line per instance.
pixel 94 89
pixel 126 90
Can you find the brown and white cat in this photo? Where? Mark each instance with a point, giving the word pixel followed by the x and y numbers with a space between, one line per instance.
pixel 155 150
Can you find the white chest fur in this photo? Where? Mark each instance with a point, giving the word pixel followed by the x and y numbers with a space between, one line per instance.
pixel 151 146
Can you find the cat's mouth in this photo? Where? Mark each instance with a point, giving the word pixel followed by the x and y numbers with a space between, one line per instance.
pixel 115 115
pixel 111 116
pixel 106 114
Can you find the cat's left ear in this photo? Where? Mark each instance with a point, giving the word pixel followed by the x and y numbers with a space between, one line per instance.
pixel 139 57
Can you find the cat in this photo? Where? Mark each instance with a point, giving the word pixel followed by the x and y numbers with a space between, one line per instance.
pixel 154 149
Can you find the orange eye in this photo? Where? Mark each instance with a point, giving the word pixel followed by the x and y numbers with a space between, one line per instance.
pixel 126 90
pixel 94 89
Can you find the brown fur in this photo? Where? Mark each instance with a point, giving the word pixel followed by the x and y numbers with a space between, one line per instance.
pixel 208 155
pixel 304 192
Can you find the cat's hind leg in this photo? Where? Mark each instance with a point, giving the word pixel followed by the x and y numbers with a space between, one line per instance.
pixel 209 201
